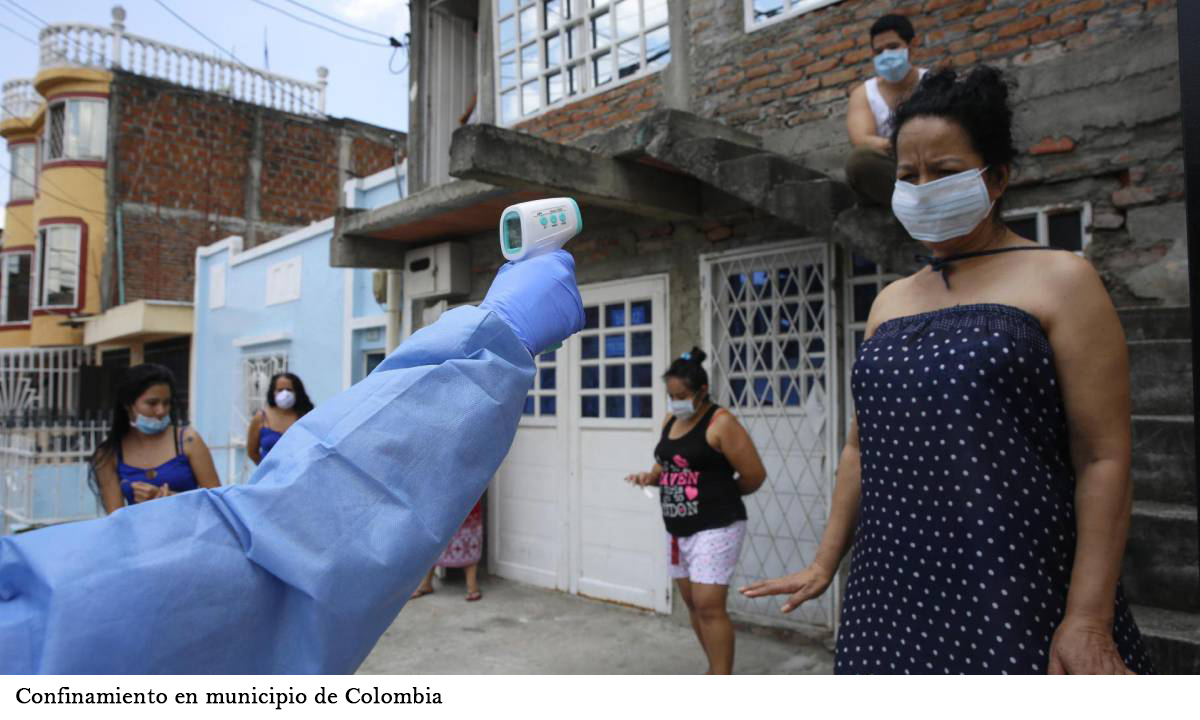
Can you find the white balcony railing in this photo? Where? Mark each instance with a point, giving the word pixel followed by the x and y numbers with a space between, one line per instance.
pixel 18 99
pixel 80 45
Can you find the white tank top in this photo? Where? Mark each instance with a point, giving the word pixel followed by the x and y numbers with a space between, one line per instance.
pixel 879 106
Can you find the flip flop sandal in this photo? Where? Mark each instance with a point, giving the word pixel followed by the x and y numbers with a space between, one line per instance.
pixel 473 596
pixel 420 592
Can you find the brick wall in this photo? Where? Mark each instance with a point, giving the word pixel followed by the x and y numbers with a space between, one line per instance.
pixel 182 165
pixel 623 104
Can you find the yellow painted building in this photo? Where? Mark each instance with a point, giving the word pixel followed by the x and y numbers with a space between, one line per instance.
pixel 56 224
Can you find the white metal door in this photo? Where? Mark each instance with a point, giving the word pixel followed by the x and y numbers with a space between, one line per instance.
pixel 768 332
pixel 560 514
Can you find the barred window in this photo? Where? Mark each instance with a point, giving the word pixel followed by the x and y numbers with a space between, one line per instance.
pixel 77 129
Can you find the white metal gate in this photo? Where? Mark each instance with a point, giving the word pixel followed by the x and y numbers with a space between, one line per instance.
pixel 44 473
pixel 768 330
pixel 254 372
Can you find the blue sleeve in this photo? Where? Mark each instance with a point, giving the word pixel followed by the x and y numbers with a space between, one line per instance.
pixel 302 570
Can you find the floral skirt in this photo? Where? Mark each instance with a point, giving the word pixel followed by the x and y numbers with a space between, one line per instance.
pixel 466 547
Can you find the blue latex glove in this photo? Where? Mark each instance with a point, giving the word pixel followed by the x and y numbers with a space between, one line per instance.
pixel 539 299
pixel 302 570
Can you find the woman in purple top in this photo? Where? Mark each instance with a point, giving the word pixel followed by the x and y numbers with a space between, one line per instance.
pixel 287 402
pixel 147 455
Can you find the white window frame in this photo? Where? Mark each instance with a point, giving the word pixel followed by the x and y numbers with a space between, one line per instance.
pixel 259 366
pixel 581 17
pixel 48 143
pixel 284 281
pixel 1043 213
pixel 39 282
pixel 791 9
pixel 14 167
pixel 4 321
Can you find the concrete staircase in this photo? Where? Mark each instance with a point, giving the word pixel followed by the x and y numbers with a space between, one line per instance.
pixel 1162 559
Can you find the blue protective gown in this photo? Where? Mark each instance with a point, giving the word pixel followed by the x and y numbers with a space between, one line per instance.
pixel 302 570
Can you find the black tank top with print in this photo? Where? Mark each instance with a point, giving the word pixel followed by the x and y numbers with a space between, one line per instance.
pixel 697 488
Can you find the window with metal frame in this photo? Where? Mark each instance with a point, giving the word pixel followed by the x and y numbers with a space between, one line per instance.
pixel 1065 227
pixel 59 260
pixel 549 52
pixel 760 13
pixel 22 167
pixel 16 269
pixel 542 400
pixel 616 349
pixel 77 129
pixel 864 281
pixel 257 371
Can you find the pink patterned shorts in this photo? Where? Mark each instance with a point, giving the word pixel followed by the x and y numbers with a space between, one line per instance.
pixel 709 556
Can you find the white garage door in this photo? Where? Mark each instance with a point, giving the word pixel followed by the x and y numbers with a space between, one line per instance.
pixel 560 515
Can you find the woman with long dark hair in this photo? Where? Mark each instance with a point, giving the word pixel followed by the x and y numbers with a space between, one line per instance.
pixel 704 464
pixel 147 454
pixel 287 402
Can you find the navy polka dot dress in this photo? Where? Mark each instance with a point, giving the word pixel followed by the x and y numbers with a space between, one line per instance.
pixel 966 533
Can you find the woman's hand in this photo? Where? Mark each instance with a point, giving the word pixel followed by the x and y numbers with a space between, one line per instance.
pixel 801 587
pixel 1085 647
pixel 642 479
pixel 143 491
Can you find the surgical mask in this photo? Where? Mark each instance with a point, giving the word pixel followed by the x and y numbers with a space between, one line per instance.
pixel 943 209
pixel 681 409
pixel 893 65
pixel 285 399
pixel 149 425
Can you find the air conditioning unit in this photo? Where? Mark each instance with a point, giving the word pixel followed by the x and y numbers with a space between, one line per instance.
pixel 437 271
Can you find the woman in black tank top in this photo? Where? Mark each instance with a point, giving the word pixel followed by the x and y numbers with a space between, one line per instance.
pixel 705 462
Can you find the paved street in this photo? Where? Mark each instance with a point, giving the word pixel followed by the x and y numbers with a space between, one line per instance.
pixel 520 629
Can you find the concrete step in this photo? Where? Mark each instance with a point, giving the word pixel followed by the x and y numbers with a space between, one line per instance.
pixel 1164 459
pixel 1173 639
pixel 1156 323
pixel 754 178
pixel 1161 377
pixel 1162 557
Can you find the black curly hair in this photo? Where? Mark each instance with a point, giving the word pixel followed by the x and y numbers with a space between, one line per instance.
pixel 978 102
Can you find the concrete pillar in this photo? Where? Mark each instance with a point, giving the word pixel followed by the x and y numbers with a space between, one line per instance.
pixel 677 77
pixel 254 182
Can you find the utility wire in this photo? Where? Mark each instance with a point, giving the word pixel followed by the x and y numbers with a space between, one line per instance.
pixel 19 34
pixel 24 19
pixel 30 14
pixel 319 26
pixel 339 21
pixel 43 191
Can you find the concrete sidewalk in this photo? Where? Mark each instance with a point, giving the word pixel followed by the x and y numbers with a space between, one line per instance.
pixel 518 629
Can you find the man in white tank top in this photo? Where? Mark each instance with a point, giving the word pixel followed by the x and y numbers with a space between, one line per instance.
pixel 871 171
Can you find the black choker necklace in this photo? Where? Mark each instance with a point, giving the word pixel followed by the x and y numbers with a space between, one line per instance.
pixel 943 265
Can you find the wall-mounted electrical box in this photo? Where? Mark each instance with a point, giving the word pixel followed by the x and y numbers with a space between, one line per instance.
pixel 437 271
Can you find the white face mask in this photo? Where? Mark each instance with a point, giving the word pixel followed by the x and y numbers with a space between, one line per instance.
pixel 285 399
pixel 681 409
pixel 943 209
pixel 893 65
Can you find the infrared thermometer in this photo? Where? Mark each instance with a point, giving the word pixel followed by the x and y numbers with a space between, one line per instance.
pixel 537 227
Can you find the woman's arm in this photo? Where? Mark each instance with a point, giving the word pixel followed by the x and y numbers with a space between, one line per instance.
pixel 252 437
pixel 1092 366
pixel 860 124
pixel 109 484
pixel 200 458
pixel 728 437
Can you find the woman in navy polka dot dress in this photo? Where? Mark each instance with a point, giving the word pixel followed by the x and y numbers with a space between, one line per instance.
pixel 985 484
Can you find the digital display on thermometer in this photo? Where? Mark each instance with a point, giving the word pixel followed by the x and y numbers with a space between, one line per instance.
pixel 536 227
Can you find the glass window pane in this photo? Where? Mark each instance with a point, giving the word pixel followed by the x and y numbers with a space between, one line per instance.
pixel 816 316
pixel 737 324
pixel 863 266
pixel 1066 231
pixel 789 391
pixel 655 12
pixel 553 51
pixel 788 283
pixel 92 129
pixel 555 12
pixel 764 357
pixel 629 57
pixel 641 406
pixel 530 101
pixel 614 406
pixel 508 70
pixel 554 88
pixel 528 409
pixel 789 318
pixel 737 388
pixel 23 171
pixel 1025 227
pixel 529 23
pixel 549 406
pixel 736 285
pixel 548 378
pixel 508 106
pixel 575 79
pixel 529 61
pixel 548 356
pixel 762 321
pixel 658 48
pixel 627 17
pixel 508 34
pixel 791 354
pixel 766 9
pixel 614 377
pixel 589 347
pixel 589 406
pixel 639 313
pixel 599 3
pixel 575 41
pixel 602 68
pixel 864 295
pixel 760 282
pixel 641 375
pixel 17 281
pixel 737 357
pixel 614 345
pixel 641 344
pixel 54 131
pixel 505 7
pixel 601 31
pixel 763 391
pixel 590 377
pixel 591 317
pixel 60 266
pixel 614 315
